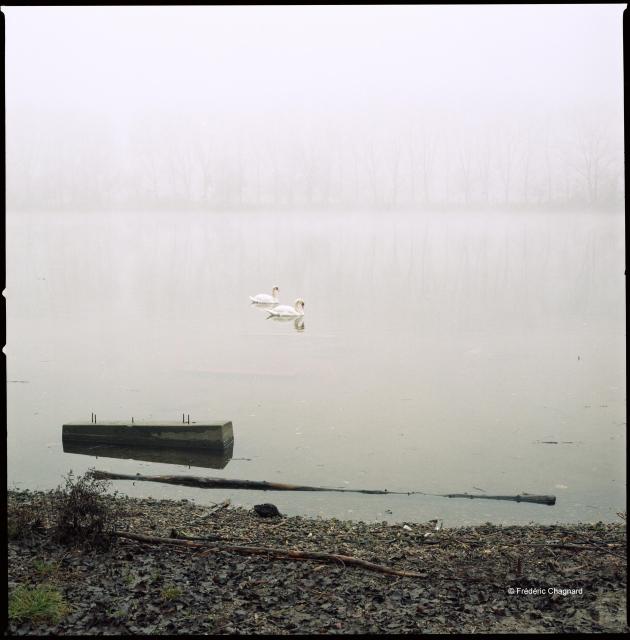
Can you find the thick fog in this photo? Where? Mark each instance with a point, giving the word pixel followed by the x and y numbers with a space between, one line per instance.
pixel 325 107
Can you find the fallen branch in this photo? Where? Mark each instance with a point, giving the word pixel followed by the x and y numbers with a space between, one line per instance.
pixel 578 547
pixel 286 554
pixel 523 497
pixel 262 485
pixel 183 536
pixel 219 507
pixel 227 483
pixel 524 543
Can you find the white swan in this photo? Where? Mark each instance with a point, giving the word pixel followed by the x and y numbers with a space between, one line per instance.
pixel 265 298
pixel 284 310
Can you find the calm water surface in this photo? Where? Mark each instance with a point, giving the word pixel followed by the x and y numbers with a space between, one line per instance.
pixel 436 353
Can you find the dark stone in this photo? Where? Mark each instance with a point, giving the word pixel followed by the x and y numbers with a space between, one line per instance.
pixel 267 510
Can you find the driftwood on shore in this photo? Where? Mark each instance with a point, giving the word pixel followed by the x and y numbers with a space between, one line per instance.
pixel 262 485
pixel 523 497
pixel 287 554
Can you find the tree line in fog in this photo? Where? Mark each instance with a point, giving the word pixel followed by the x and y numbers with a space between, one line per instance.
pixel 419 160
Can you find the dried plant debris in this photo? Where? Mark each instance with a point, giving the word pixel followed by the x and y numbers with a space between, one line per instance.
pixel 80 513
pixel 564 577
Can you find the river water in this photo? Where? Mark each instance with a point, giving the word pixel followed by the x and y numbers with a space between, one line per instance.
pixel 439 352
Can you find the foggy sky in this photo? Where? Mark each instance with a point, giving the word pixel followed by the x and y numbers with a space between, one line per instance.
pixel 307 72
pixel 318 58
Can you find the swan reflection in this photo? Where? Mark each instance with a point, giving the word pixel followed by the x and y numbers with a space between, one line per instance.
pixel 298 323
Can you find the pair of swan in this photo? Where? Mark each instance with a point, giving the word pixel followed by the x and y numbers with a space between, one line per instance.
pixel 278 310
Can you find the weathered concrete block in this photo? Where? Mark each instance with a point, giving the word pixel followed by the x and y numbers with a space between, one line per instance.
pixel 216 436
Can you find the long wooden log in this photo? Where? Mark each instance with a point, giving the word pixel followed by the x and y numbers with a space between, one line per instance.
pixel 523 497
pixel 262 485
pixel 227 483
pixel 287 554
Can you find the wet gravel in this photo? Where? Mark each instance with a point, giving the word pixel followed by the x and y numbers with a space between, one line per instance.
pixel 467 572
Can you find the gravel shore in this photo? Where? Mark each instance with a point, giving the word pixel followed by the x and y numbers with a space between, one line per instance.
pixel 486 578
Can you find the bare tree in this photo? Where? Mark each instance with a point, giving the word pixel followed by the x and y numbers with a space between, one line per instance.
pixel 505 159
pixel 593 158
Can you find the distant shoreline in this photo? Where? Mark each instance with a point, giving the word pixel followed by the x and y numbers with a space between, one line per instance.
pixel 181 207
